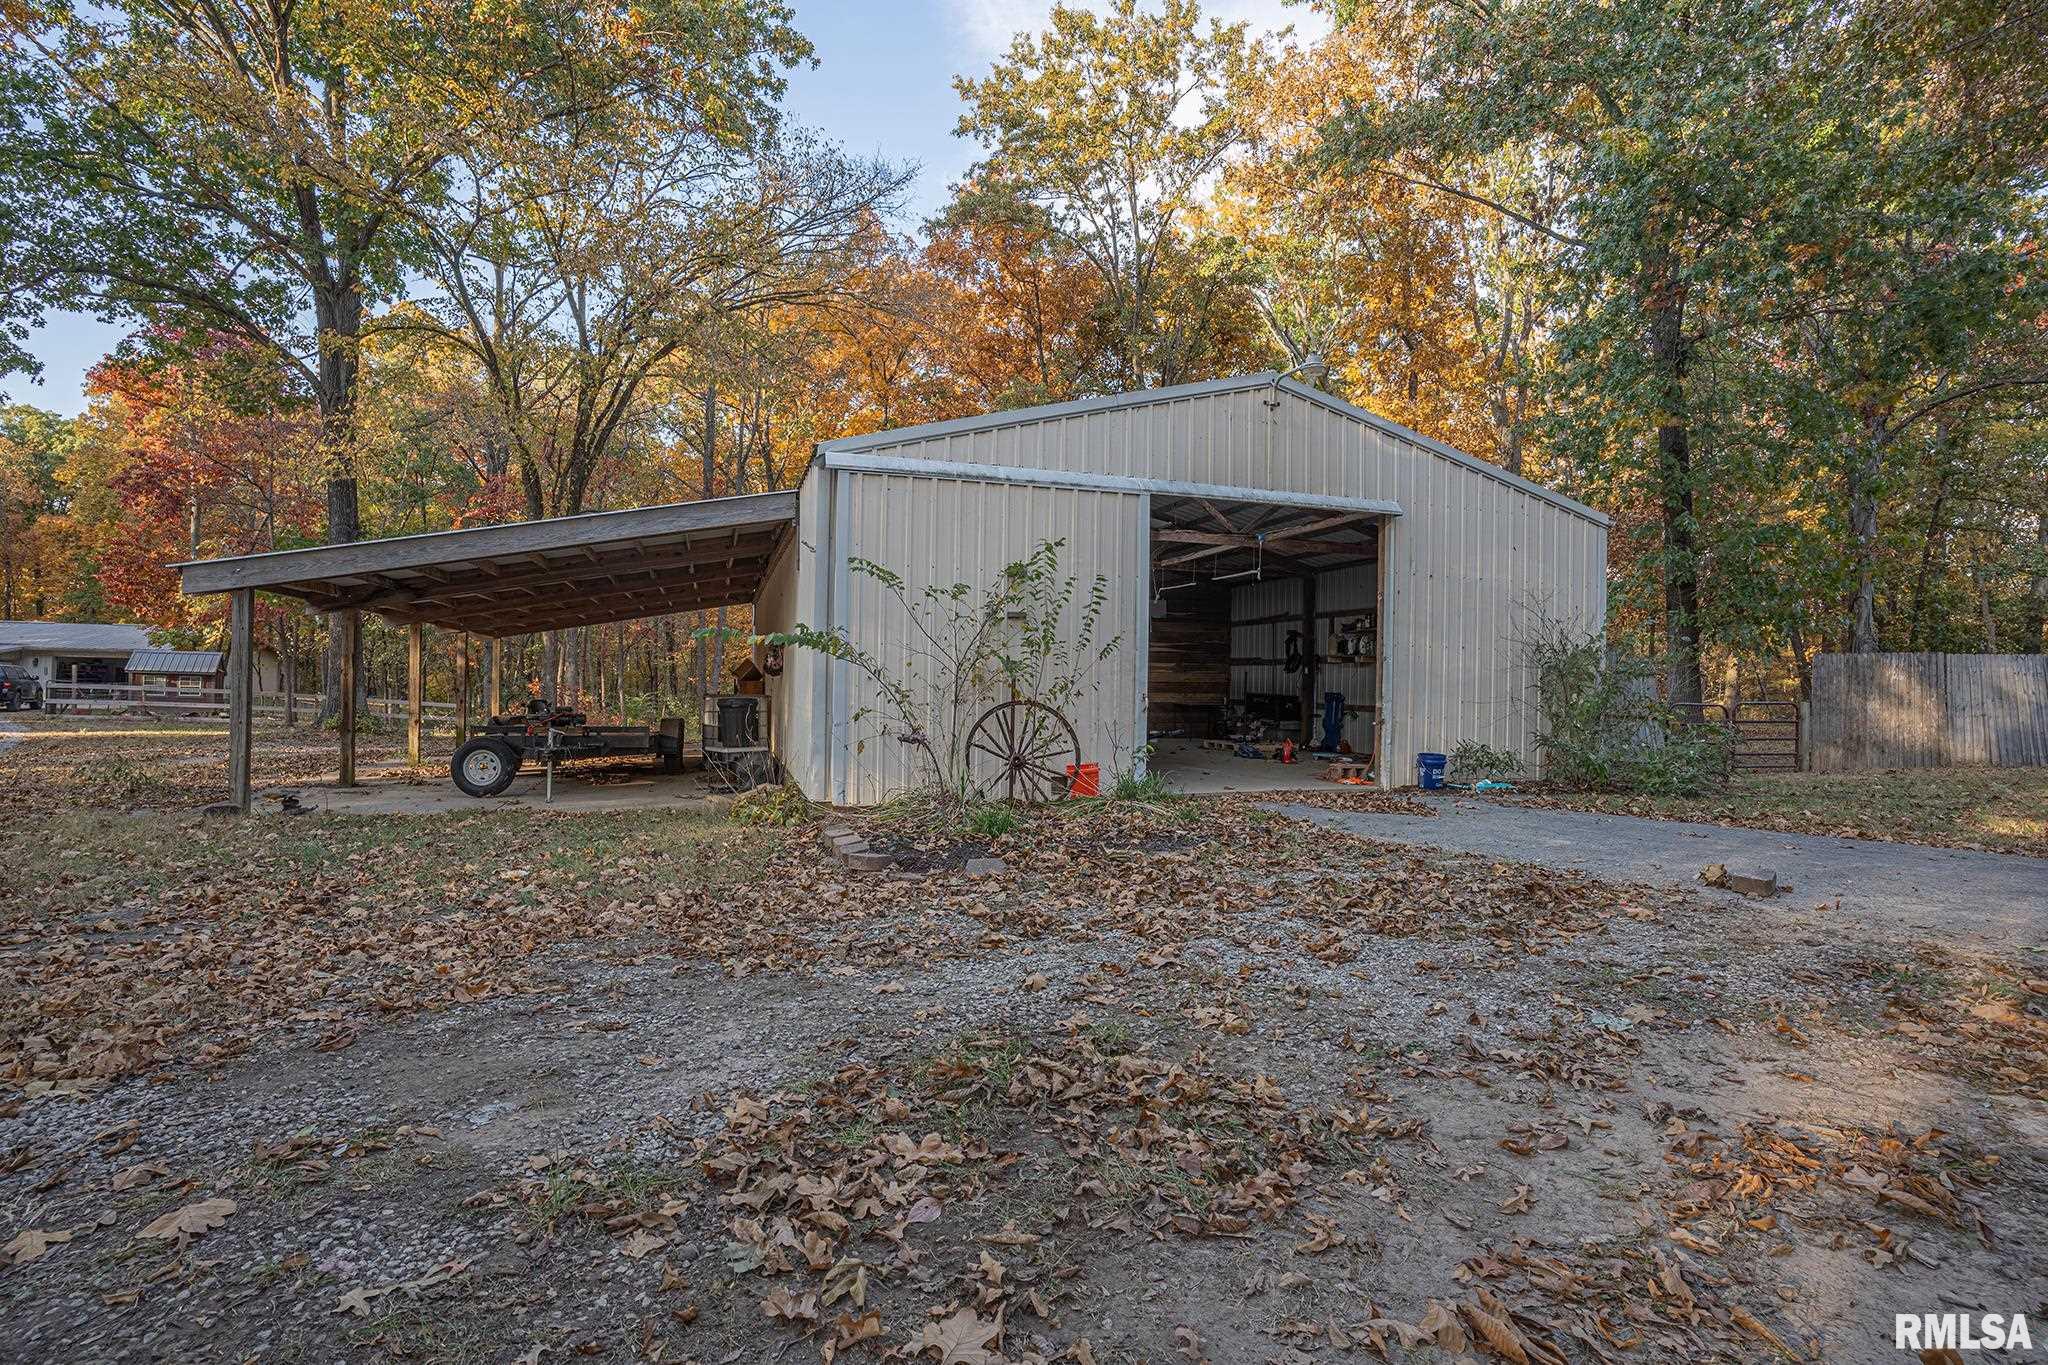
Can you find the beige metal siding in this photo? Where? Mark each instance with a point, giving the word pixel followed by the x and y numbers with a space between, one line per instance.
pixel 1468 561
pixel 937 532
pixel 775 610
pixel 791 596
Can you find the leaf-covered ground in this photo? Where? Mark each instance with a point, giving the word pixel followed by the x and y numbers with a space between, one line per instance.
pixel 2002 810
pixel 1180 1084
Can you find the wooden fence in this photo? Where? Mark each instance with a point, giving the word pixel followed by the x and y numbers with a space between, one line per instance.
pixel 1928 711
pixel 62 697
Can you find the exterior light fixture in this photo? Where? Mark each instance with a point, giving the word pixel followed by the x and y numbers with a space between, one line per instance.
pixel 1312 368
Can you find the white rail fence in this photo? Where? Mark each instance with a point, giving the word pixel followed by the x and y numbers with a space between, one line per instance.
pixel 62 697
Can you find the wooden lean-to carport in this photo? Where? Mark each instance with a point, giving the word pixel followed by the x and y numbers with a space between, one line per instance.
pixel 494 581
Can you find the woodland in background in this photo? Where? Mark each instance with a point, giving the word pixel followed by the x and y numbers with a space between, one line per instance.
pixel 1760 279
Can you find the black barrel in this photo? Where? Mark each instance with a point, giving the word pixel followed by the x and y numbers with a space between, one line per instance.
pixel 739 721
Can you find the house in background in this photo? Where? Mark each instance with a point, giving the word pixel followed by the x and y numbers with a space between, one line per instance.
pixel 67 651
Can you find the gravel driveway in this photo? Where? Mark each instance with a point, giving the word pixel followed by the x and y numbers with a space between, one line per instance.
pixel 1996 899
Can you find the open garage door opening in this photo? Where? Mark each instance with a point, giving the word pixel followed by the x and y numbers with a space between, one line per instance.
pixel 1263 650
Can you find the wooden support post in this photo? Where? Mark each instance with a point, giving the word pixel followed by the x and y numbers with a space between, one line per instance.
pixel 241 693
pixel 351 637
pixel 415 689
pixel 494 693
pixel 1311 664
pixel 462 694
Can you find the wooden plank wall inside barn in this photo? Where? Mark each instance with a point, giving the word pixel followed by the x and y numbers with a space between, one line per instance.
pixel 1187 678
pixel 1928 711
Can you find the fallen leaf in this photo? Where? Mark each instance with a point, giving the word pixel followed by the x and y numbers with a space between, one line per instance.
pixel 31 1243
pixel 191 1221
pixel 962 1339
pixel 641 1243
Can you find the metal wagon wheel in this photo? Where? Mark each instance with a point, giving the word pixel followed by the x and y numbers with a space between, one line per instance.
pixel 1020 750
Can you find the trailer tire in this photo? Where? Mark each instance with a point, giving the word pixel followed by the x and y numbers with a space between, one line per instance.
pixel 484 767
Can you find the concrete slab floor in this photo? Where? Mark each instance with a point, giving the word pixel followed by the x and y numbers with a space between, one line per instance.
pixel 1196 771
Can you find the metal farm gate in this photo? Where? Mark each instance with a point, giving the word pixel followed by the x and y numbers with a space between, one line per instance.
pixel 1763 736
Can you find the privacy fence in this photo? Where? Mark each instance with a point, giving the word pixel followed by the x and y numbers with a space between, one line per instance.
pixel 1928 711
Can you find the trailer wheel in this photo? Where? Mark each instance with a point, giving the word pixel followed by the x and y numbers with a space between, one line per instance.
pixel 484 767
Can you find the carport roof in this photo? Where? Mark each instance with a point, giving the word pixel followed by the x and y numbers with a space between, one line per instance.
pixel 532 575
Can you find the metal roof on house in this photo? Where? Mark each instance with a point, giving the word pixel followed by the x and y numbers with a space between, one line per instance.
pixel 202 661
pixel 71 637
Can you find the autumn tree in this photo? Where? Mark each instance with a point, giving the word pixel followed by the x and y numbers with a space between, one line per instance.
pixel 33 447
pixel 251 171
pixel 1106 129
pixel 200 451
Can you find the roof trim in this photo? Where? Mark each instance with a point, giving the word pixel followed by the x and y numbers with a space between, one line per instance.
pixel 1449 452
pixel 1206 388
pixel 1045 412
pixel 910 466
pixel 201 576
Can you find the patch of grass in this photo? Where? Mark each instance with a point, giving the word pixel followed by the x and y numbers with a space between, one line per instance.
pixel 1112 1036
pixel 785 805
pixel 992 819
pixel 2001 809
pixel 1153 786
pixel 424 1333
pixel 856 1135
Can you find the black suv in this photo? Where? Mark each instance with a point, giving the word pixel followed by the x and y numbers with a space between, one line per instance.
pixel 19 688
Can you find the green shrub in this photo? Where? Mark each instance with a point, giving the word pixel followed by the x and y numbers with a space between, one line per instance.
pixel 1476 762
pixel 784 805
pixel 1600 725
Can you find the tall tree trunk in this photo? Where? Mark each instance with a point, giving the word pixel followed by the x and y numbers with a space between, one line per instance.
pixel 1671 361
pixel 338 319
pixel 2037 593
pixel 1863 473
pixel 1934 528
pixel 703 656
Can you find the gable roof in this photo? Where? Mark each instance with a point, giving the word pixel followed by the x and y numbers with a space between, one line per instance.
pixel 1232 384
pixel 59 636
pixel 204 661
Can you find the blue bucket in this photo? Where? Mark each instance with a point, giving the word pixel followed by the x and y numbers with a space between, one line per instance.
pixel 1429 771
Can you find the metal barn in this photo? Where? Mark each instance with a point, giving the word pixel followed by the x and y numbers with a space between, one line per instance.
pixel 1274 559
pixel 1266 546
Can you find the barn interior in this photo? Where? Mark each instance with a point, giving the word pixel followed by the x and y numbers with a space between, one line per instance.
pixel 1262 655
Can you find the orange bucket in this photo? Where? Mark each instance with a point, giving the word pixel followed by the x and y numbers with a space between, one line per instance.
pixel 1084 779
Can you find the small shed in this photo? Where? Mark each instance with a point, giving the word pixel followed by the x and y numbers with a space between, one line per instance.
pixel 173 672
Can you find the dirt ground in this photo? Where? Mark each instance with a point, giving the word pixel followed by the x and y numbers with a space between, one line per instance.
pixel 1183 1082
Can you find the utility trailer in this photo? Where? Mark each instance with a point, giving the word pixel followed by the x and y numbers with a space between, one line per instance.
pixel 486 763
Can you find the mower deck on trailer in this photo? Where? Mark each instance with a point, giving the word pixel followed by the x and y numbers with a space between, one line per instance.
pixel 486 763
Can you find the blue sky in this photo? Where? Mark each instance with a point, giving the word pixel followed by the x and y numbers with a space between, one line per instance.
pixel 883 86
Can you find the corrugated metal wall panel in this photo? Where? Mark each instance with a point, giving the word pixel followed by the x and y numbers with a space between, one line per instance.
pixel 1471 557
pixel 1253 602
pixel 937 532
pixel 793 594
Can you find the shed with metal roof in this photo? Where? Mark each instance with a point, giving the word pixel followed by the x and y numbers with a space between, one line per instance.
pixel 1255 557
